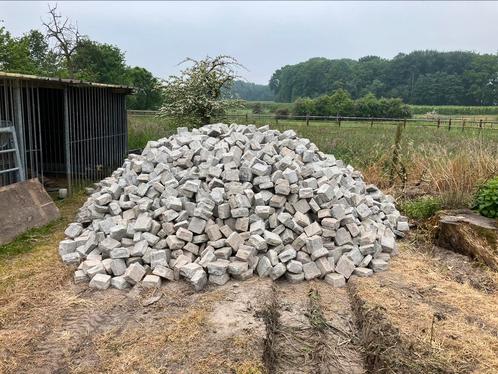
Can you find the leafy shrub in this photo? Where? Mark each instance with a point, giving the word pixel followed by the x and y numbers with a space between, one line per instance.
pixel 303 106
pixel 340 103
pixel 421 208
pixel 486 201
pixel 282 113
pixel 257 108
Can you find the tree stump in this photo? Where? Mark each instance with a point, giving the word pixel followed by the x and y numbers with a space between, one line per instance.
pixel 468 233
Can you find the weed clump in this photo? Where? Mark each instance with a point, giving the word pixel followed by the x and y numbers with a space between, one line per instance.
pixel 422 208
pixel 486 201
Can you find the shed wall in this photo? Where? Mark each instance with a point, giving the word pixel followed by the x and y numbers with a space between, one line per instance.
pixel 98 133
pixel 72 134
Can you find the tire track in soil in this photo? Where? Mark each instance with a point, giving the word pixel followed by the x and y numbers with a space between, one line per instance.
pixel 310 329
pixel 74 331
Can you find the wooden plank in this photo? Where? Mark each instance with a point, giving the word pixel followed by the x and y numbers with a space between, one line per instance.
pixel 24 205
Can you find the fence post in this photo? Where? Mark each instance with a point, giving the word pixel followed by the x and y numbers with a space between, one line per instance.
pixel 404 123
pixel 276 120
pixel 463 124
pixel 247 119
pixel 449 125
pixel 396 152
pixel 307 120
pixel 480 124
pixel 438 122
pixel 339 121
pixel 371 122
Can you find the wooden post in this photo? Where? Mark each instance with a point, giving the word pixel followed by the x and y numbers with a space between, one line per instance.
pixel 404 123
pixel 371 122
pixel 339 121
pixel 438 122
pixel 247 119
pixel 449 125
pixel 463 124
pixel 480 124
pixel 307 120
pixel 396 153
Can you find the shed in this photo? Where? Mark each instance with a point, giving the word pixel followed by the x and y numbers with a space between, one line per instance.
pixel 71 131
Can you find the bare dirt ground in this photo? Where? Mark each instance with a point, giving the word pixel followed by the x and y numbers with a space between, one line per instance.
pixel 433 312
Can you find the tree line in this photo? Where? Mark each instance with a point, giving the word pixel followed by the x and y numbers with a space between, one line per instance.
pixel 250 91
pixel 420 77
pixel 62 51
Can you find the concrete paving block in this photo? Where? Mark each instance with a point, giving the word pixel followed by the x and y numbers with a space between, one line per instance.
pixel 134 273
pixel 335 280
pixel 311 271
pixel 100 281
pixel 119 282
pixel 151 281
pixel 345 266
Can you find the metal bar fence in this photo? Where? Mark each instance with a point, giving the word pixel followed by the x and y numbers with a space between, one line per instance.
pixel 79 133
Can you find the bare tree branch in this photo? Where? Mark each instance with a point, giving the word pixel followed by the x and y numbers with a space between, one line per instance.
pixel 64 34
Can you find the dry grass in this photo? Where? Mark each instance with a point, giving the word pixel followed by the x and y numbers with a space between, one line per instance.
pixel 36 276
pixel 455 176
pixel 177 336
pixel 396 310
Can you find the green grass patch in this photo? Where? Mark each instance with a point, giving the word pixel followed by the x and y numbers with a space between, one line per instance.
pixel 142 128
pixel 421 208
pixel 32 238
pixel 27 242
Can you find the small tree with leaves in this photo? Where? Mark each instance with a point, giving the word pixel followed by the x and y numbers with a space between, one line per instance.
pixel 195 97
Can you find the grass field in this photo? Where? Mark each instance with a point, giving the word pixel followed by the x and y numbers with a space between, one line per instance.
pixel 456 110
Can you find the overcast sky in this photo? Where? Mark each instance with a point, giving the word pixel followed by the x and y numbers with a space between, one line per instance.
pixel 267 35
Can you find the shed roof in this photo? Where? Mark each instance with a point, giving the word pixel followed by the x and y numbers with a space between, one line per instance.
pixel 62 82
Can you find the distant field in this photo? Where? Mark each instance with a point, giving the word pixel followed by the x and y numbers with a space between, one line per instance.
pixel 486 113
pixel 455 110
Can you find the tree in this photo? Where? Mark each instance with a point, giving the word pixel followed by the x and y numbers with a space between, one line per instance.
pixel 41 59
pixel 303 107
pixel 28 54
pixel 65 36
pixel 250 91
pixel 196 95
pixel 147 95
pixel 98 62
pixel 422 77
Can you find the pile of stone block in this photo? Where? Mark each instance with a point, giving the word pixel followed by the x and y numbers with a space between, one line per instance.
pixel 231 201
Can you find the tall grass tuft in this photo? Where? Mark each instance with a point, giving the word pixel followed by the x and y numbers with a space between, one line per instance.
pixel 455 175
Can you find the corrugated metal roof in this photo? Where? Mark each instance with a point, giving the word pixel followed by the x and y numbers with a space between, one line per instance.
pixel 63 81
